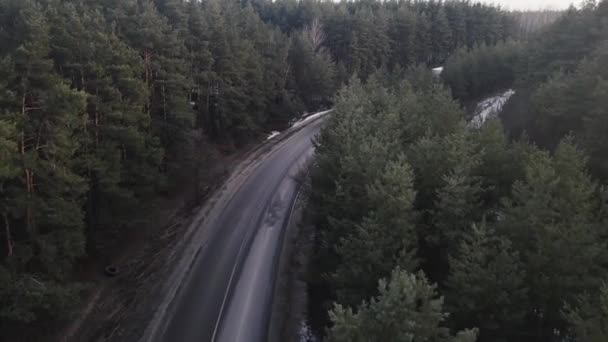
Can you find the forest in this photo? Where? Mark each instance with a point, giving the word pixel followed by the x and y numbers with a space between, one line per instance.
pixel 431 229
pixel 109 106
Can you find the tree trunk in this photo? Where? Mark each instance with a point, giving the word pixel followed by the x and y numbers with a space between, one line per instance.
pixel 147 59
pixel 9 240
pixel 96 122
pixel 165 116
pixel 207 120
pixel 29 175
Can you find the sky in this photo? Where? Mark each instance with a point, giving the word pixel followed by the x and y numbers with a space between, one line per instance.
pixel 533 4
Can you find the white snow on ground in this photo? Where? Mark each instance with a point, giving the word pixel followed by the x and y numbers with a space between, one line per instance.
pixel 490 107
pixel 273 134
pixel 302 120
pixel 305 118
pixel 306 334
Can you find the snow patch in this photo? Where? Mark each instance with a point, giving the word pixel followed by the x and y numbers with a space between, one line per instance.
pixel 306 334
pixel 305 118
pixel 273 134
pixel 490 108
pixel 301 121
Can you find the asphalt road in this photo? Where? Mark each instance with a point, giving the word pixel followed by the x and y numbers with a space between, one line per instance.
pixel 227 294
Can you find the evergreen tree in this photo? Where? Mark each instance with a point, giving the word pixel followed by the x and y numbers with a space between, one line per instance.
pixel 385 239
pixel 165 72
pixel 118 155
pixel 42 193
pixel 483 70
pixel 422 40
pixel 501 163
pixel 401 33
pixel 441 34
pixel 573 36
pixel 486 285
pixel 590 316
pixel 455 13
pixel 407 309
pixel 174 11
pixel 201 61
pixel 345 174
pixel 458 201
pixel 551 217
pixel 575 103
pixel 107 105
pixel 313 69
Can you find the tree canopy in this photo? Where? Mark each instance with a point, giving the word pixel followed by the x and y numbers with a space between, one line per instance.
pixel 107 105
pixel 512 233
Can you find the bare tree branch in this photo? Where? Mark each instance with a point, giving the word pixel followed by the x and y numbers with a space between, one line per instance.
pixel 315 34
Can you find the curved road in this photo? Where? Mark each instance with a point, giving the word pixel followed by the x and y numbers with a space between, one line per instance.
pixel 227 293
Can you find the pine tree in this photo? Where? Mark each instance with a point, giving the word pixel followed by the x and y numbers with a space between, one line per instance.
pixel 422 40
pixel 483 70
pixel 486 285
pixel 313 69
pixel 427 114
pixel 458 201
pixel 440 35
pixel 501 163
pixel 9 170
pixel 455 12
pixel 549 218
pixel 406 310
pixel 575 103
pixel 589 318
pixel 385 239
pixel 44 195
pixel 165 73
pixel 401 37
pixel 201 61
pixel 237 104
pixel 338 35
pixel 175 12
pixel 119 157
